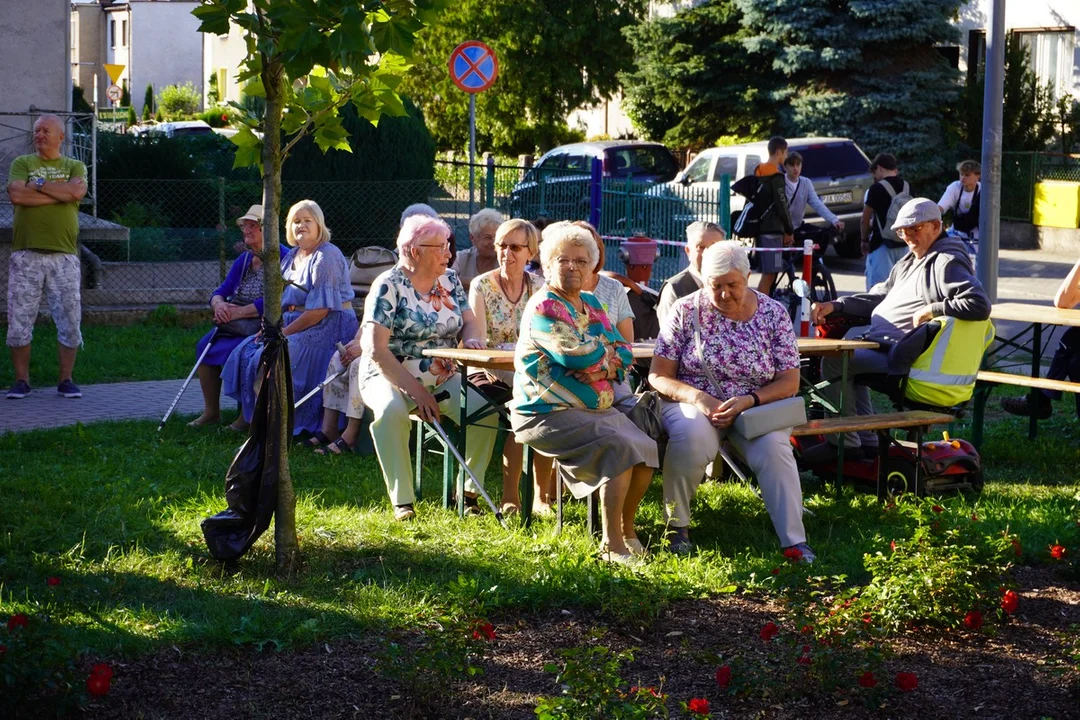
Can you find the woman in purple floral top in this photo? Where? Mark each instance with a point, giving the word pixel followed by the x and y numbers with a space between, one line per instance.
pixel 752 358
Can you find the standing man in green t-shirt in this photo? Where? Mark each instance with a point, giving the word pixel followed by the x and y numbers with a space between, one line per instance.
pixel 45 189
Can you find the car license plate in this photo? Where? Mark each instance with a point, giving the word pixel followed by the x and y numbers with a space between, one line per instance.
pixel 836 198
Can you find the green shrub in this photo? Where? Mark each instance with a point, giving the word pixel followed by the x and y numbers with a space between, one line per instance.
pixel 125 96
pixel 131 118
pixel 217 116
pixel 178 101
pixel 148 102
pixel 78 100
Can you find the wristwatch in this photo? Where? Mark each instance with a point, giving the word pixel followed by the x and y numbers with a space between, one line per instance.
pixel 39 183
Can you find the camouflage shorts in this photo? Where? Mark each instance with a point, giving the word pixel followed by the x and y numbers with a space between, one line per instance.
pixel 58 276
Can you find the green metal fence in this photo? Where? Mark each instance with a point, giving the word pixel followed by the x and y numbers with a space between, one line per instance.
pixel 1021 171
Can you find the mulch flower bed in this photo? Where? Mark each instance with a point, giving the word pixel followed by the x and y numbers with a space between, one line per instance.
pixel 1030 668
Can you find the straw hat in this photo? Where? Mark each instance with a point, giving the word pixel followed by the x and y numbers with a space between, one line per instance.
pixel 255 212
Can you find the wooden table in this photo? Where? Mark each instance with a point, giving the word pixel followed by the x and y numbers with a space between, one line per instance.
pixel 1035 316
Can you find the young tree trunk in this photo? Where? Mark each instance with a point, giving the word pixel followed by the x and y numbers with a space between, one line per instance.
pixel 286 546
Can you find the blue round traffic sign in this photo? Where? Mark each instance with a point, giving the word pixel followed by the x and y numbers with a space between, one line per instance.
pixel 473 66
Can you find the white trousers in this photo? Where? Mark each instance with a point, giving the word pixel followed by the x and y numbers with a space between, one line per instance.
pixel 390 433
pixel 693 443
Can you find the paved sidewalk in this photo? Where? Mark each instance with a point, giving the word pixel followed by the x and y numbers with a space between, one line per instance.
pixel 44 408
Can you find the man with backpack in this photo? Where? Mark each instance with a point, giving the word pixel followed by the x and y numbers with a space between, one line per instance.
pixel 775 228
pixel 881 245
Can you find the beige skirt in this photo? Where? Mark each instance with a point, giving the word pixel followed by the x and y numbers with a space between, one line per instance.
pixel 591 446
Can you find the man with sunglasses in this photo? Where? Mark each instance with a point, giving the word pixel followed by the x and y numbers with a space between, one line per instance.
pixel 934 278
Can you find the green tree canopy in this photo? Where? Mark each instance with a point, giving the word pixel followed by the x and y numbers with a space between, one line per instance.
pixel 554 56
pixel 690 85
pixel 864 69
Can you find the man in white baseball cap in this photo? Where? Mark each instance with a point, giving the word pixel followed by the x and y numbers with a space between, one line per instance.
pixel 934 278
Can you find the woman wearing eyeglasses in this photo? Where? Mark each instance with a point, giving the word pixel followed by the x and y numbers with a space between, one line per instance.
pixel 568 359
pixel 498 299
pixel 417 305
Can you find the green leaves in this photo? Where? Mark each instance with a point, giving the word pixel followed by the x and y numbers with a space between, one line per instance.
pixel 308 59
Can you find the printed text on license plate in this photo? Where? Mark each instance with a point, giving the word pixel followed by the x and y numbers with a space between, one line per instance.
pixel 836 198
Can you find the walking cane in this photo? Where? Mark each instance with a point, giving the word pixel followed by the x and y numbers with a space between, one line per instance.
pixel 318 388
pixel 461 461
pixel 209 342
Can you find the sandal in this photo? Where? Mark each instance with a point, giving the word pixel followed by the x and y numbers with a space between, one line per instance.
pixel 337 447
pixel 404 512
pixel 317 439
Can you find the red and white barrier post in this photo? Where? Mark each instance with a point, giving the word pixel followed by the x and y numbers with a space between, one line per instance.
pixel 808 278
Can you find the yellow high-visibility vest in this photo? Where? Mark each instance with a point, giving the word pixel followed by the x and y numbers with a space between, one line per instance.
pixel 944 375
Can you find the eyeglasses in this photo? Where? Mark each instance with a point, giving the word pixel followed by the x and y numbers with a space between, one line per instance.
pixel 511 248
pixel 445 247
pixel 572 262
pixel 911 230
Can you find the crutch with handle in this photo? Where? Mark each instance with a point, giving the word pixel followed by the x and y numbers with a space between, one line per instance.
pixel 461 461
pixel 331 378
pixel 187 382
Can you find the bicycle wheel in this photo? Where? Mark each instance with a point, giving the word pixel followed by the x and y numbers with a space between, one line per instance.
pixel 823 289
pixel 783 290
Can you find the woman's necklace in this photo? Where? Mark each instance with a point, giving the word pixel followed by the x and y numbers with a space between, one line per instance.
pixel 506 292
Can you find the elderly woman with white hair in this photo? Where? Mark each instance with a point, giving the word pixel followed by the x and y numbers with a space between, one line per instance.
pixel 481 257
pixel 317 314
pixel 722 350
pixel 568 359
pixel 416 306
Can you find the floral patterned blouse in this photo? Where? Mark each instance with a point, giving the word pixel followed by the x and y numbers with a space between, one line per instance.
pixel 502 316
pixel 417 323
pixel 743 356
pixel 555 341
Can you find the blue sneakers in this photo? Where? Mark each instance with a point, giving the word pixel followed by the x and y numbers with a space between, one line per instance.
pixel 19 390
pixel 68 389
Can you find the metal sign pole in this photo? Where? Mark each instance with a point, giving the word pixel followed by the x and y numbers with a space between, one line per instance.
pixel 472 151
pixel 990 198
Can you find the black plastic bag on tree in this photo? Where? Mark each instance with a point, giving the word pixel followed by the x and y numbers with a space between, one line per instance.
pixel 251 484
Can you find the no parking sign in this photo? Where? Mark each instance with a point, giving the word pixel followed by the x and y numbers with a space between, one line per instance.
pixel 473 66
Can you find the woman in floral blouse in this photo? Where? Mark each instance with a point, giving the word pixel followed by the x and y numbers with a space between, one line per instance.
pixel 418 305
pixel 498 298
pixel 568 358
pixel 722 350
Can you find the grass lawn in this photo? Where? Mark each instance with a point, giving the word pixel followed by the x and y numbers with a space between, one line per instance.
pixel 113 511
pixel 155 349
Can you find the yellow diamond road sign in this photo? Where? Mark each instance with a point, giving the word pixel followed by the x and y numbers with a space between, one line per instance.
pixel 114 72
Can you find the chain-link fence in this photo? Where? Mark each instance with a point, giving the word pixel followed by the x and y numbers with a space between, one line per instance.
pixel 17 138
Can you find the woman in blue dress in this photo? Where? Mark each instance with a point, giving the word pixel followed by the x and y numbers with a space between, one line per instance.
pixel 238 301
pixel 317 314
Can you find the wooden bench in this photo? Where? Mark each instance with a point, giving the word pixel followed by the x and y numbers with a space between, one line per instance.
pixel 917 421
pixel 1036 383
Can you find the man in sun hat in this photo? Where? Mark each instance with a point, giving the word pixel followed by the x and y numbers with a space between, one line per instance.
pixel 934 278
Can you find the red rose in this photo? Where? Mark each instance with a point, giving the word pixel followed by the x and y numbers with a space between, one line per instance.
pixel 793 554
pixel 53 581
pixel 1016 546
pixel 102 670
pixel 1057 551
pixel 775 571
pixel 769 631
pixel 723 676
pixel 938 508
pixel 867 680
pixel 17 621
pixel 97 685
pixel 973 620
pixel 483 631
pixel 807 629
pixel 974 517
pixel 224 117
pixel 906 681
pixel 892 545
pixel 699 706
pixel 1010 601
pixel 804 660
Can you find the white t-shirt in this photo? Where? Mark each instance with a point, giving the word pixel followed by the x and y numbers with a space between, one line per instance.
pixel 959 200
pixel 612 295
